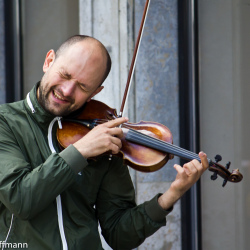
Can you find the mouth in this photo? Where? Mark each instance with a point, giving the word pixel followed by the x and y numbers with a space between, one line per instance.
pixel 58 96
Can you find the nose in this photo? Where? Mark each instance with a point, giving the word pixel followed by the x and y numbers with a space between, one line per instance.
pixel 68 88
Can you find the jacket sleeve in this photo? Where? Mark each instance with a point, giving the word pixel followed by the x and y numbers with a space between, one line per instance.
pixel 23 190
pixel 124 224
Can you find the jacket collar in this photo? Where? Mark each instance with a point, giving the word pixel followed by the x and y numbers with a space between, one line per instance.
pixel 35 109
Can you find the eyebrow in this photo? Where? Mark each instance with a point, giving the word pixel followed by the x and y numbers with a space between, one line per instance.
pixel 70 76
pixel 64 72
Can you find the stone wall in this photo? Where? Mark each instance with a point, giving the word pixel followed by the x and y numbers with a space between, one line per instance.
pixel 156 99
pixel 154 94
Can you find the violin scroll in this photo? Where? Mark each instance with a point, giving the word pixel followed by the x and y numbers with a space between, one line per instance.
pixel 223 172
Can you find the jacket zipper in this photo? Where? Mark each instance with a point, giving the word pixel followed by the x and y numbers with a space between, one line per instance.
pixel 58 198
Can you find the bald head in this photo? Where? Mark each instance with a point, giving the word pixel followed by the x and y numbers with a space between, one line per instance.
pixel 73 75
pixel 91 43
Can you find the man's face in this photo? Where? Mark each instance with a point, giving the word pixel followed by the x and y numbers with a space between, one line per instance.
pixel 72 79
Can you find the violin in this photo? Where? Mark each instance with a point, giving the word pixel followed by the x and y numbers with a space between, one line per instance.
pixel 146 146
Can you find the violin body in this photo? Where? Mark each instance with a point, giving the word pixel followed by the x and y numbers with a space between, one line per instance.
pixel 139 157
pixel 143 158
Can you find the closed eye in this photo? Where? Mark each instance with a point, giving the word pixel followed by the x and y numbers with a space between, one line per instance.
pixel 83 87
pixel 65 75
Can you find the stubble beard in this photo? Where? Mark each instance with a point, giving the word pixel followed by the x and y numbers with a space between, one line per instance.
pixel 43 99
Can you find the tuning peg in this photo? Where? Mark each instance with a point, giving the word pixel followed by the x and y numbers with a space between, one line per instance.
pixel 224 183
pixel 214 176
pixel 217 158
pixel 228 165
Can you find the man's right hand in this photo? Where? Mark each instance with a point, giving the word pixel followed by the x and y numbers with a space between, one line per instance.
pixel 102 138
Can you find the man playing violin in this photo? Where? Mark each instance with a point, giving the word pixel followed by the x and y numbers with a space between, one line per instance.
pixel 55 199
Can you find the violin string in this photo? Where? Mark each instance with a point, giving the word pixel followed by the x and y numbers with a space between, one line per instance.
pixel 178 150
pixel 150 139
pixel 164 144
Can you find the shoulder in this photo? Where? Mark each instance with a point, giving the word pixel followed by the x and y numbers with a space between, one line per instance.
pixel 11 113
pixel 11 108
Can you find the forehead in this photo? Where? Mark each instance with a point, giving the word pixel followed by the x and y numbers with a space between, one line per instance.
pixel 83 60
pixel 76 53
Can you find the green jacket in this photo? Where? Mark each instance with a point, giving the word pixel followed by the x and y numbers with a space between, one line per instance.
pixel 55 200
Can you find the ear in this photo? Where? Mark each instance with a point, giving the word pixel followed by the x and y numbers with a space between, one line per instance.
pixel 98 90
pixel 49 59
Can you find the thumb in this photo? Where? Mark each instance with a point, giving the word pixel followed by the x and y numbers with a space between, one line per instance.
pixel 116 122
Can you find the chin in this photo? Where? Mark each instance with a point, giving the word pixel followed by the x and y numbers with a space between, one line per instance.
pixel 60 112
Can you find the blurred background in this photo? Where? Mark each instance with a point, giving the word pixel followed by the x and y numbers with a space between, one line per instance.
pixel 191 75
